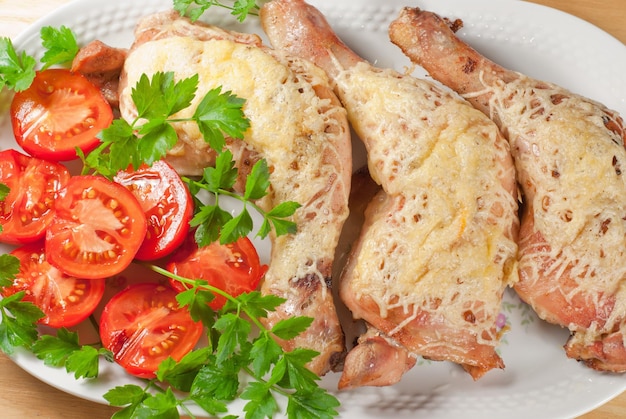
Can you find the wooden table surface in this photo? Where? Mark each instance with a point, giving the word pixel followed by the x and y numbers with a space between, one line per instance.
pixel 23 396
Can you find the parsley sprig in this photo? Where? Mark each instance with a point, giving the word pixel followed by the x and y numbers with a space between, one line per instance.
pixel 242 360
pixel 213 222
pixel 18 318
pixel 195 8
pixel 148 138
pixel 17 71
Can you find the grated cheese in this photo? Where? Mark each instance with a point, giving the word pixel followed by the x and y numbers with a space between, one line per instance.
pixel 570 166
pixel 440 240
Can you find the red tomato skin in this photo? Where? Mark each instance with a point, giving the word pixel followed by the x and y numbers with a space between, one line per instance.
pixel 167 203
pixel 60 111
pixel 143 325
pixel 97 228
pixel 27 211
pixel 44 284
pixel 234 268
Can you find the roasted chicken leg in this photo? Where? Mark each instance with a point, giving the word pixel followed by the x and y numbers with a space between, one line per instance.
pixel 297 125
pixel 569 154
pixel 437 248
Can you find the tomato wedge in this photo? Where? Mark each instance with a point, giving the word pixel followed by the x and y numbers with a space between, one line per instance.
pixel 234 267
pixel 60 111
pixel 27 210
pixel 167 203
pixel 143 325
pixel 97 228
pixel 65 300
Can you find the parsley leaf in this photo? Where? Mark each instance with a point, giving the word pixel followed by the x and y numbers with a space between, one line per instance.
pixel 223 176
pixel 160 405
pixel 16 71
pixel 181 374
pixel 19 322
pixel 54 350
pixel 4 191
pixel 155 138
pixel 291 327
pixel 262 403
pixel 209 220
pixel 9 268
pixel 61 45
pixel 160 96
pixel 315 403
pixel 258 182
pixel 125 395
pixel 84 362
pixel 236 227
pixel 220 113
pixel 63 350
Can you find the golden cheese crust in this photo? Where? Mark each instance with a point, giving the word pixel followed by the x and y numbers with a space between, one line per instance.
pixel 438 247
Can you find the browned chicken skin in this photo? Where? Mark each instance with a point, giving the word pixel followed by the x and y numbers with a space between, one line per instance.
pixel 569 154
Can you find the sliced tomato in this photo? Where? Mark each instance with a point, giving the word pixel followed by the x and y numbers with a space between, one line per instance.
pixel 234 267
pixel 27 210
pixel 167 203
pixel 60 111
pixel 97 228
pixel 143 325
pixel 65 300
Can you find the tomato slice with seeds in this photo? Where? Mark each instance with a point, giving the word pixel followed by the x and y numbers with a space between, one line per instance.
pixel 97 228
pixel 234 267
pixel 27 210
pixel 65 300
pixel 143 325
pixel 60 111
pixel 167 203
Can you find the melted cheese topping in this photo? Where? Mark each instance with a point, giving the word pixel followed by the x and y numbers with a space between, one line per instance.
pixel 442 240
pixel 301 134
pixel 570 166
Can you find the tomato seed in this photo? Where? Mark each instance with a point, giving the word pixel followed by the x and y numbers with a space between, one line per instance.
pixel 113 204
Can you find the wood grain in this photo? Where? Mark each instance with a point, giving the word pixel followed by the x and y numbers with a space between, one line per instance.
pixel 23 396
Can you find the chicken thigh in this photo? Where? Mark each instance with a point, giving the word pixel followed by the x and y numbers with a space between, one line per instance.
pixel 437 248
pixel 297 124
pixel 569 154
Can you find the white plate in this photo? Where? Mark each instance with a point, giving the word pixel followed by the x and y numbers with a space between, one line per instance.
pixel 539 381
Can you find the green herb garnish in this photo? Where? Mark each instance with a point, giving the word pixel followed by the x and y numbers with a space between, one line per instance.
pixel 17 71
pixel 149 137
pixel 196 8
